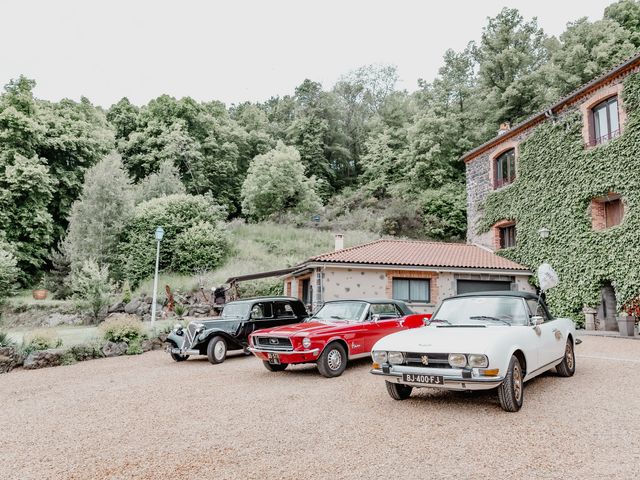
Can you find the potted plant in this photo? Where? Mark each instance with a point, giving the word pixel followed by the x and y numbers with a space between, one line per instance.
pixel 627 318
pixel 40 292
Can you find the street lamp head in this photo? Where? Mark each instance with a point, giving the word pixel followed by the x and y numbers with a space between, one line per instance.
pixel 544 232
pixel 159 234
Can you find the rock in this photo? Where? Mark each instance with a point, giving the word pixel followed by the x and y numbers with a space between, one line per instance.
pixel 116 307
pixel 113 349
pixel 55 319
pixel 9 359
pixel 148 299
pixel 142 309
pixel 44 358
pixel 146 345
pixel 132 306
pixel 157 343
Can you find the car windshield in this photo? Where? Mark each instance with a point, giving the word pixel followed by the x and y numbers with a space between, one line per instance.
pixel 341 311
pixel 487 310
pixel 235 310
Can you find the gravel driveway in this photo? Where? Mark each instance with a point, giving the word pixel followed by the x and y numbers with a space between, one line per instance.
pixel 148 417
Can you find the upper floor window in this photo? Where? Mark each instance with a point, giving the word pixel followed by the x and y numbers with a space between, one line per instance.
pixel 505 168
pixel 508 236
pixel 606 121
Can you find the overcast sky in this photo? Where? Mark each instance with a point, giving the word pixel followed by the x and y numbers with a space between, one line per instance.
pixel 239 49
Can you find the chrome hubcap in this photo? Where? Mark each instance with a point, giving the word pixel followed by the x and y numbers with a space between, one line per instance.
pixel 218 350
pixel 334 359
pixel 568 355
pixel 517 382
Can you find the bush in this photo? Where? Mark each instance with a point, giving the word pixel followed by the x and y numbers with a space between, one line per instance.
pixel 202 247
pixel 276 183
pixel 41 339
pixel 5 340
pixel 8 272
pixel 127 295
pixel 135 347
pixel 92 286
pixel 444 212
pixel 86 351
pixel 261 288
pixel 122 328
pixel 176 214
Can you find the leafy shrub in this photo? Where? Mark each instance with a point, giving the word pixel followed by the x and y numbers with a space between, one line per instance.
pixel 444 212
pixel 276 183
pixel 176 214
pixel 261 288
pixel 179 309
pixel 122 328
pixel 202 247
pixel 127 295
pixel 6 341
pixel 86 351
pixel 41 339
pixel 8 272
pixel 92 286
pixel 161 184
pixel 135 347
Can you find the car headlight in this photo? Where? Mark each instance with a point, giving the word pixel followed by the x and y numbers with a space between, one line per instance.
pixel 306 342
pixel 457 360
pixel 395 358
pixel 477 360
pixel 379 356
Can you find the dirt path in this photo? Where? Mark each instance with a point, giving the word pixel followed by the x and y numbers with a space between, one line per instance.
pixel 148 417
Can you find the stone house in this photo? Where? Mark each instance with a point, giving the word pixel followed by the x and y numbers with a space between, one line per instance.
pixel 420 273
pixel 590 227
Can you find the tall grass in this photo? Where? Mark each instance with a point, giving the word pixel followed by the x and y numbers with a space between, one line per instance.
pixel 257 248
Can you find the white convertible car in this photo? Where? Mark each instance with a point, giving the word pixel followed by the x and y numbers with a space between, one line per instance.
pixel 478 341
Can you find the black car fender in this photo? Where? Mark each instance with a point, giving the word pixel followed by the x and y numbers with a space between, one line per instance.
pixel 232 343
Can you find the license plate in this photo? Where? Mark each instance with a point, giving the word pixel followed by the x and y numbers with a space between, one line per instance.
pixel 420 378
pixel 274 359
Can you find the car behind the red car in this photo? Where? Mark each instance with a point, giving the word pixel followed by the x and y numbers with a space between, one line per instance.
pixel 340 331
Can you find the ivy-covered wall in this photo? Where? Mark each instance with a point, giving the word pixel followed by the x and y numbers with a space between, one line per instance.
pixel 557 178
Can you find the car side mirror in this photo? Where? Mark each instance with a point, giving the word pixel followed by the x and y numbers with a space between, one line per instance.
pixel 375 317
pixel 536 320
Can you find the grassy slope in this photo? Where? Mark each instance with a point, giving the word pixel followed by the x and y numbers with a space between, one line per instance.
pixel 261 247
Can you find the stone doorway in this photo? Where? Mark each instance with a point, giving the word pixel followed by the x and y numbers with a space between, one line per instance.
pixel 606 312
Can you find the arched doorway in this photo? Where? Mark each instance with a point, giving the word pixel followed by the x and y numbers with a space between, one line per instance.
pixel 606 315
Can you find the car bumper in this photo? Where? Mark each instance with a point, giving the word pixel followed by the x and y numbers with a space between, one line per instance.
pixel 453 378
pixel 293 356
pixel 181 351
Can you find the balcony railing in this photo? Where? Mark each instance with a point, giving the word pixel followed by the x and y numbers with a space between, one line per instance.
pixel 604 138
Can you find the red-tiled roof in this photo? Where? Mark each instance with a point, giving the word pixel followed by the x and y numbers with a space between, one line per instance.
pixel 420 254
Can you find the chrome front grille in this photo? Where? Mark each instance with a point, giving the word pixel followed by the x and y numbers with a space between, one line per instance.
pixel 274 343
pixel 189 335
pixel 433 360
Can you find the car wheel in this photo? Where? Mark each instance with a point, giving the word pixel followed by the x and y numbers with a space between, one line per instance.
pixel 567 367
pixel 511 392
pixel 275 368
pixel 217 350
pixel 179 358
pixel 399 391
pixel 333 360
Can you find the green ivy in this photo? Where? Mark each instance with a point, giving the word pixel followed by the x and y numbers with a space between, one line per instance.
pixel 557 179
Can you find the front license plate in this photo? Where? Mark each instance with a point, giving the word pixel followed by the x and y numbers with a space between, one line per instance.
pixel 426 379
pixel 274 359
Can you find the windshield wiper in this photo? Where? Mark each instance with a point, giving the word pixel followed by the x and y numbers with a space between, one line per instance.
pixel 487 317
pixel 439 320
pixel 337 317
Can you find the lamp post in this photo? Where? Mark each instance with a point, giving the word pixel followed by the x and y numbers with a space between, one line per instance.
pixel 159 234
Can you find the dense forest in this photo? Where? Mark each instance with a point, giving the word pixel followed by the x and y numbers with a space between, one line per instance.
pixel 81 187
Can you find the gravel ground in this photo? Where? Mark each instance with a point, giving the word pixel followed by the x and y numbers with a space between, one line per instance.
pixel 148 417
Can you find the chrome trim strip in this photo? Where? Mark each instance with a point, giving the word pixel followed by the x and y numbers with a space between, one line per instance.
pixel 284 352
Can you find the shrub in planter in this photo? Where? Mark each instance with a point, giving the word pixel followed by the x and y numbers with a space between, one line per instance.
pixel 122 328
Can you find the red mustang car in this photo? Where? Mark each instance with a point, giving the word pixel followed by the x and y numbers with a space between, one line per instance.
pixel 340 331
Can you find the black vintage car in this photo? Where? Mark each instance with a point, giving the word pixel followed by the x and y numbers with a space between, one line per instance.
pixel 213 337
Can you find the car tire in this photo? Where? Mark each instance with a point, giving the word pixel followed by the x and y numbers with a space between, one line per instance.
pixel 333 360
pixel 511 391
pixel 567 367
pixel 275 368
pixel 398 391
pixel 217 350
pixel 179 358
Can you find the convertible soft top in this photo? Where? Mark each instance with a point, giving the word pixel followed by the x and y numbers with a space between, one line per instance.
pixel 500 293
